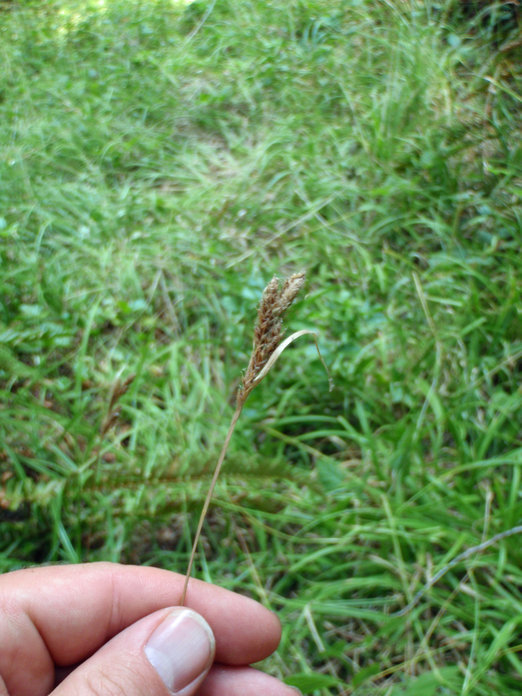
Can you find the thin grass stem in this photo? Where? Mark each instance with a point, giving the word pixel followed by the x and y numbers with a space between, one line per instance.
pixel 208 498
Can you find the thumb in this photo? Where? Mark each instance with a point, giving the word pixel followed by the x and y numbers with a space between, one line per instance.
pixel 167 653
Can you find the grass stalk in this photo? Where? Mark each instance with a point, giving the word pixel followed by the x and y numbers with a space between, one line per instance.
pixel 268 346
pixel 208 497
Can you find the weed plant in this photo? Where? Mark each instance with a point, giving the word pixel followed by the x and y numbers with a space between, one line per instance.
pixel 160 162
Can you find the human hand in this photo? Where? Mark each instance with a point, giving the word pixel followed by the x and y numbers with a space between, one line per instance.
pixel 105 629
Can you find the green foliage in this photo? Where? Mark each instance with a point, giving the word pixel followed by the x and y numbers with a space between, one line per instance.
pixel 160 161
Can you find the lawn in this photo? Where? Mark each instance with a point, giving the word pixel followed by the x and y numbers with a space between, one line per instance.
pixel 160 162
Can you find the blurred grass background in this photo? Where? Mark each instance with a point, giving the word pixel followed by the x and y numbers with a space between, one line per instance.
pixel 160 162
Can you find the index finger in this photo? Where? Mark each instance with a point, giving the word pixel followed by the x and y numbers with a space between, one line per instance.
pixel 76 609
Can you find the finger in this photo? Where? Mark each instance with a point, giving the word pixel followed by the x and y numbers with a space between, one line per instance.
pixel 243 681
pixel 169 652
pixel 61 615
pixel 77 608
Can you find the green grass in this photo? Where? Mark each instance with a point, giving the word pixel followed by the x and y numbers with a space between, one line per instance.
pixel 159 163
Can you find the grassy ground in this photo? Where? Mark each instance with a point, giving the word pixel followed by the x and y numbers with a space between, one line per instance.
pixel 159 163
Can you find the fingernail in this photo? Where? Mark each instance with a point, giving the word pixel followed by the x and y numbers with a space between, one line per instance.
pixel 181 650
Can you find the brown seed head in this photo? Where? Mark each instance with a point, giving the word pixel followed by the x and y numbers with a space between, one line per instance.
pixel 269 325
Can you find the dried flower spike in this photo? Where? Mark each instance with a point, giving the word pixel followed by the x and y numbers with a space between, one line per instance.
pixel 268 330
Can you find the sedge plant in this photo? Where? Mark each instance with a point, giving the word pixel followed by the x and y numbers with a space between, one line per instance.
pixel 268 345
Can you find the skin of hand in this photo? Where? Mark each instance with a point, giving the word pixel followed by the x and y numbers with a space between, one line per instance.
pixel 108 629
